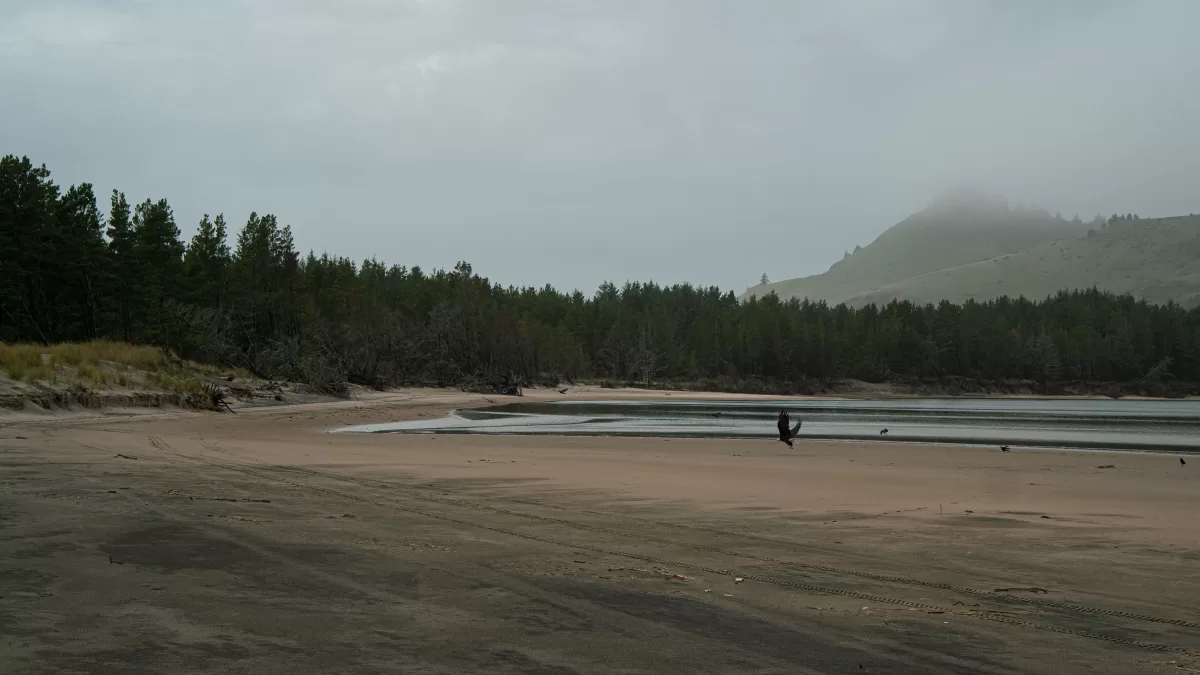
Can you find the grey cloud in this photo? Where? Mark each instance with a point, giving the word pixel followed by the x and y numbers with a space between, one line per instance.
pixel 573 142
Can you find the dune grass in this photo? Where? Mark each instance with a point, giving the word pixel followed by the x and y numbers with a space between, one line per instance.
pixel 27 373
pixel 177 382
pixel 79 353
pixel 103 364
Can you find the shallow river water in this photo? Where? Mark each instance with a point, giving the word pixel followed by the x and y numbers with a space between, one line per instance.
pixel 1068 423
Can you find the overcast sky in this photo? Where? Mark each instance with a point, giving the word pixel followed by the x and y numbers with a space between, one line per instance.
pixel 572 142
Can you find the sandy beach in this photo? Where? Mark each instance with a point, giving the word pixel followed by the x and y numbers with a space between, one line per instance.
pixel 261 543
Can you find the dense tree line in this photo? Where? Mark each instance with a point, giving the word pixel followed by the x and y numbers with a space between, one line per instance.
pixel 68 272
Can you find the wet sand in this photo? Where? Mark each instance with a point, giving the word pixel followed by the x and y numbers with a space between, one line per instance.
pixel 258 543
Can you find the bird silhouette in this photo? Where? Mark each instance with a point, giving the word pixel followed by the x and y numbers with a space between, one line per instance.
pixel 1181 461
pixel 716 414
pixel 563 390
pixel 786 432
pixel 1004 448
pixel 883 432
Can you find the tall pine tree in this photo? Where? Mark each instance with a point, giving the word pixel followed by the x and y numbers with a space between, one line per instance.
pixel 158 260
pixel 28 265
pixel 123 266
pixel 83 264
pixel 206 263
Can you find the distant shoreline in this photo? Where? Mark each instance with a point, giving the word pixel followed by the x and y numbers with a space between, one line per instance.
pixel 945 388
pixel 63 402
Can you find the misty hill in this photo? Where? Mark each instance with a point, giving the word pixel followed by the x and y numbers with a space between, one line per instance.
pixel 959 229
pixel 1152 259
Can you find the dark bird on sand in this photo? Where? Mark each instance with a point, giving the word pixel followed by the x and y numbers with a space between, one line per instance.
pixel 563 391
pixel 883 432
pixel 1004 448
pixel 787 433
pixel 1181 461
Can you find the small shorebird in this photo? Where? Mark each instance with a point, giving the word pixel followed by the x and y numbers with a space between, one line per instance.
pixel 1181 461
pixel 1004 448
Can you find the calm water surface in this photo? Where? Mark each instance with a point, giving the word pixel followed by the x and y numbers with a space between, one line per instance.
pixel 1070 423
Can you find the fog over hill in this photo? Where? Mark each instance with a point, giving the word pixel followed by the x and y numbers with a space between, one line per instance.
pixel 959 228
pixel 1153 259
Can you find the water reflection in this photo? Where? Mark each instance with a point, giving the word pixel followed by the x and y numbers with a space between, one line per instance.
pixel 1072 423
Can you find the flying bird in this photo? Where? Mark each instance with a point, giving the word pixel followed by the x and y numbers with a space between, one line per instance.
pixel 1004 448
pixel 786 433
pixel 883 432
pixel 563 390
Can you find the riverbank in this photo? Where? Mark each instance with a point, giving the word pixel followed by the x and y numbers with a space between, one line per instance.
pixel 22 401
pixel 205 542
pixel 113 378
pixel 944 386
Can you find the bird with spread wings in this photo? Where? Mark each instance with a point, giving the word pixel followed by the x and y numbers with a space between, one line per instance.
pixel 787 432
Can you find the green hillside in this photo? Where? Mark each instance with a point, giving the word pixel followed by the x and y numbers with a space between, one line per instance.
pixel 959 229
pixel 1152 259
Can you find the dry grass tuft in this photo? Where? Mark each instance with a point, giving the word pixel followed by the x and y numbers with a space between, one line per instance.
pixel 101 363
pixel 179 382
pixel 76 354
